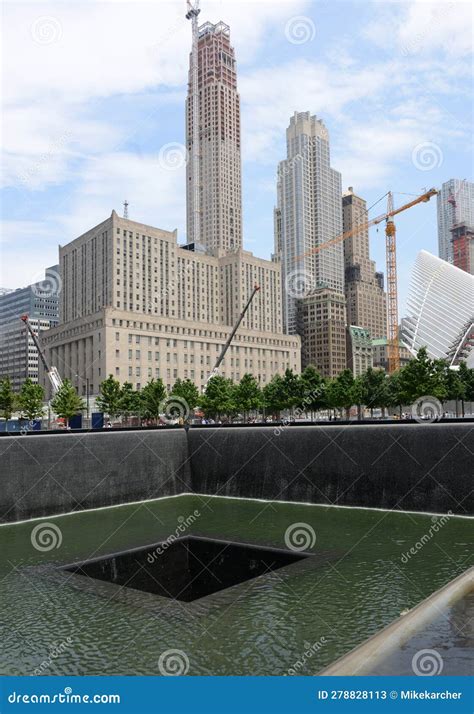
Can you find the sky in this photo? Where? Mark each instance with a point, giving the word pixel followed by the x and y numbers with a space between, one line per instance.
pixel 93 112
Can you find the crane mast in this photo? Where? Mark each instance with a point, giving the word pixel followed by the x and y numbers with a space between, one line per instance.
pixel 232 334
pixel 52 372
pixel 393 343
pixel 192 14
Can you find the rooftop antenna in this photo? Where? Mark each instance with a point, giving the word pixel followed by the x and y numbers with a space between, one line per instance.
pixel 125 209
pixel 192 14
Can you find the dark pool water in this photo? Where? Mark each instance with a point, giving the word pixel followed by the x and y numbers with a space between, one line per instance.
pixel 297 619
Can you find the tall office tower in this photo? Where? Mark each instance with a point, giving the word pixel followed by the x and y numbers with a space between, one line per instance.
pixel 321 320
pixel 40 301
pixel 309 202
pixel 463 247
pixel 455 204
pixel 218 190
pixel 366 300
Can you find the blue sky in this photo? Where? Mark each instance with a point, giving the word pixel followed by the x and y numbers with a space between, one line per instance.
pixel 94 103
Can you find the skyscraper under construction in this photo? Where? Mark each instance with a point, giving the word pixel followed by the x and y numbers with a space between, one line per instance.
pixel 213 176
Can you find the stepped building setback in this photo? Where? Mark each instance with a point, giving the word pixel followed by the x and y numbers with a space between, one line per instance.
pixel 136 305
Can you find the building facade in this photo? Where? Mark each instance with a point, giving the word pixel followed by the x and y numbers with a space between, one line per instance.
pixel 440 310
pixel 463 247
pixel 309 213
pixel 365 296
pixel 219 181
pixel 136 305
pixel 358 350
pixel 40 301
pixel 455 204
pixel 380 354
pixel 321 322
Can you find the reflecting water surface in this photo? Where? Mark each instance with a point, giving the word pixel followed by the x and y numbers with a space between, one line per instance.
pixel 297 619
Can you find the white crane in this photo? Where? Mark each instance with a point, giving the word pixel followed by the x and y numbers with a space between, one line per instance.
pixel 52 372
pixel 192 14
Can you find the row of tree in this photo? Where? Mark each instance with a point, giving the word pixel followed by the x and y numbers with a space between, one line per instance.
pixel 306 394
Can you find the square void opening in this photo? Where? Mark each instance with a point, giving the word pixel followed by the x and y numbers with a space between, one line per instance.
pixel 188 569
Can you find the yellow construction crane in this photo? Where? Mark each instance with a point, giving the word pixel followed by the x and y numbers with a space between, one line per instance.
pixel 393 344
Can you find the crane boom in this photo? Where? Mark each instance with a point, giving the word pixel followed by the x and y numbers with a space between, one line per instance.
pixel 393 343
pixel 52 372
pixel 232 334
pixel 368 224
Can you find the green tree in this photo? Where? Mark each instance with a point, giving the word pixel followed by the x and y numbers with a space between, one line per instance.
pixel 218 397
pixel 291 389
pixel 312 391
pixel 187 391
pixel 454 387
pixel 466 375
pixel 130 403
pixel 247 395
pixel 66 402
pixel 420 377
pixel 371 389
pixel 274 396
pixel 342 392
pixel 152 398
pixel 30 400
pixel 108 400
pixel 7 398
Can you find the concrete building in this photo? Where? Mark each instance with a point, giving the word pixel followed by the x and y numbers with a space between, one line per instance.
pixel 40 301
pixel 219 180
pixel 358 350
pixel 309 213
pixel 380 354
pixel 463 247
pixel 455 204
pixel 321 323
pixel 365 296
pixel 136 305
